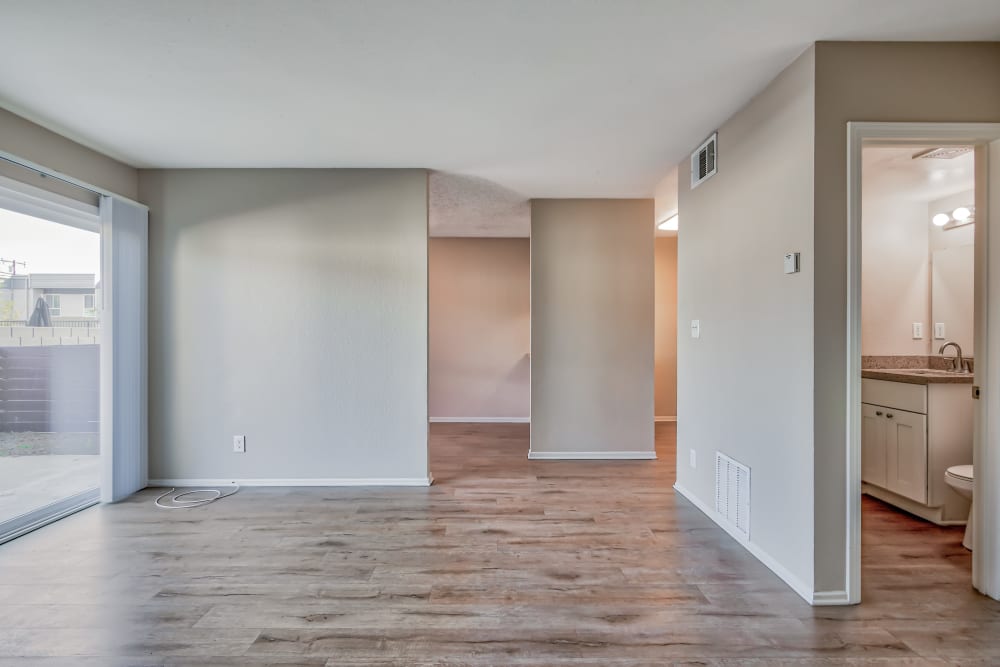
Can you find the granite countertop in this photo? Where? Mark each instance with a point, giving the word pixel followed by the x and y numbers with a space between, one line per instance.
pixel 917 375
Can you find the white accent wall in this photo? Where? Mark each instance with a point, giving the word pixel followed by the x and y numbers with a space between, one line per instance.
pixel 289 306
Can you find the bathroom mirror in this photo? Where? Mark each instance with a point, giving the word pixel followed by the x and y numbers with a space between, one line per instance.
pixel 952 296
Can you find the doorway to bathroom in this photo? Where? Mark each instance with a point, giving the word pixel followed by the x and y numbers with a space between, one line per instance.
pixel 917 320
pixel 921 446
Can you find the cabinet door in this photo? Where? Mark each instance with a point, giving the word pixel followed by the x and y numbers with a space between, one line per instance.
pixel 906 445
pixel 873 453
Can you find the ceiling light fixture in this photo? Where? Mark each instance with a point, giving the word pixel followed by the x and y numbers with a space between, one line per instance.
pixel 669 224
pixel 941 219
pixel 961 214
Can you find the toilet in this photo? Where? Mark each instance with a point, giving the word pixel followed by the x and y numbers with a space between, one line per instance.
pixel 960 479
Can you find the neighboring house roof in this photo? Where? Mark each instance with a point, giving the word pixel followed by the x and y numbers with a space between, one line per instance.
pixel 59 281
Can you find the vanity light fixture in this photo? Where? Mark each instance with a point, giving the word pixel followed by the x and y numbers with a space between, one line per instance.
pixel 668 224
pixel 961 214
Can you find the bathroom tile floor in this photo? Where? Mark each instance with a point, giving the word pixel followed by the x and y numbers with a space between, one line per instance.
pixel 504 561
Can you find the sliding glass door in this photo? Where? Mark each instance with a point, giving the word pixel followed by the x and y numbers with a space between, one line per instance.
pixel 50 367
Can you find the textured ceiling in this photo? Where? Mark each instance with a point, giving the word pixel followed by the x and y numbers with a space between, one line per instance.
pixel 553 98
pixel 469 206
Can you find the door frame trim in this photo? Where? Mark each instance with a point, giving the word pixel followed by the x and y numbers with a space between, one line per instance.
pixel 986 556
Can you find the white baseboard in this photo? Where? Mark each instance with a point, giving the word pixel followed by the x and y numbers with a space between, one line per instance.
pixel 591 456
pixel 329 481
pixel 664 419
pixel 797 585
pixel 831 598
pixel 480 420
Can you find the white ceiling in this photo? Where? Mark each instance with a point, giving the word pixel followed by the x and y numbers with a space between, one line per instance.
pixel 554 98
pixel 893 169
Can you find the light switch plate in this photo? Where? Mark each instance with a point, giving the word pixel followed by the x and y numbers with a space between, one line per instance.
pixel 695 328
pixel 694 458
pixel 792 262
pixel 939 330
pixel 918 330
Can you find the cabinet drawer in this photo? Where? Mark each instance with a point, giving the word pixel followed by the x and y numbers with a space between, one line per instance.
pixel 899 395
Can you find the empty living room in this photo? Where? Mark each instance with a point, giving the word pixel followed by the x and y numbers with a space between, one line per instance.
pixel 499 332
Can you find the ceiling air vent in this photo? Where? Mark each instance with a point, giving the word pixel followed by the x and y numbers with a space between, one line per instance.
pixel 945 153
pixel 704 161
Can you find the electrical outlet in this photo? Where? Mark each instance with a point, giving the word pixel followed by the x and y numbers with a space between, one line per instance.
pixel 239 443
pixel 918 330
pixel 939 330
pixel 694 458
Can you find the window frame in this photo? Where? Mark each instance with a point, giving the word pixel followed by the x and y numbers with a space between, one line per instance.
pixel 54 301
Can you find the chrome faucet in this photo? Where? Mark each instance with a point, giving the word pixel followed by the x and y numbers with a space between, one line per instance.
pixel 957 364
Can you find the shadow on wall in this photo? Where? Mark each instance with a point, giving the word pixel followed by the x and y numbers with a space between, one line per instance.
pixel 519 377
pixel 290 306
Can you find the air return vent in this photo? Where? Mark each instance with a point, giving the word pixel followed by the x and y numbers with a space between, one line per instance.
pixel 732 493
pixel 704 161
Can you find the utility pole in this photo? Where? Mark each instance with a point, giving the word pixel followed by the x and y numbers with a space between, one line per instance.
pixel 8 270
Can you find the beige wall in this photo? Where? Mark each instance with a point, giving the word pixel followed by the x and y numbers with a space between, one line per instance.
pixel 895 267
pixel 744 388
pixel 290 306
pixel 480 328
pixel 44 147
pixel 592 326
pixel 666 327
pixel 868 82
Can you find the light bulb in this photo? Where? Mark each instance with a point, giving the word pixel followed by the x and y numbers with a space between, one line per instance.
pixel 941 219
pixel 961 214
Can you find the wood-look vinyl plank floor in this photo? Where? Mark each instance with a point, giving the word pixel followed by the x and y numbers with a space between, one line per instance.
pixel 504 561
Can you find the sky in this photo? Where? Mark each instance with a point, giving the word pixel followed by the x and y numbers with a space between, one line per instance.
pixel 47 247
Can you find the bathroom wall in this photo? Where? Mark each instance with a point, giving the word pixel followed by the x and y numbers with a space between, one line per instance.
pixel 480 329
pixel 895 262
pixel 913 271
pixel 953 276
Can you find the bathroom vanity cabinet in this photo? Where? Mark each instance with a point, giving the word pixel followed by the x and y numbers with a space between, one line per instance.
pixel 912 432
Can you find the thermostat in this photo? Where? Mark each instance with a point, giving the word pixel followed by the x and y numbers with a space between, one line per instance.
pixel 791 262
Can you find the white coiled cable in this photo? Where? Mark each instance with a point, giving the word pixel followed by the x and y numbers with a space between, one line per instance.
pixel 177 502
